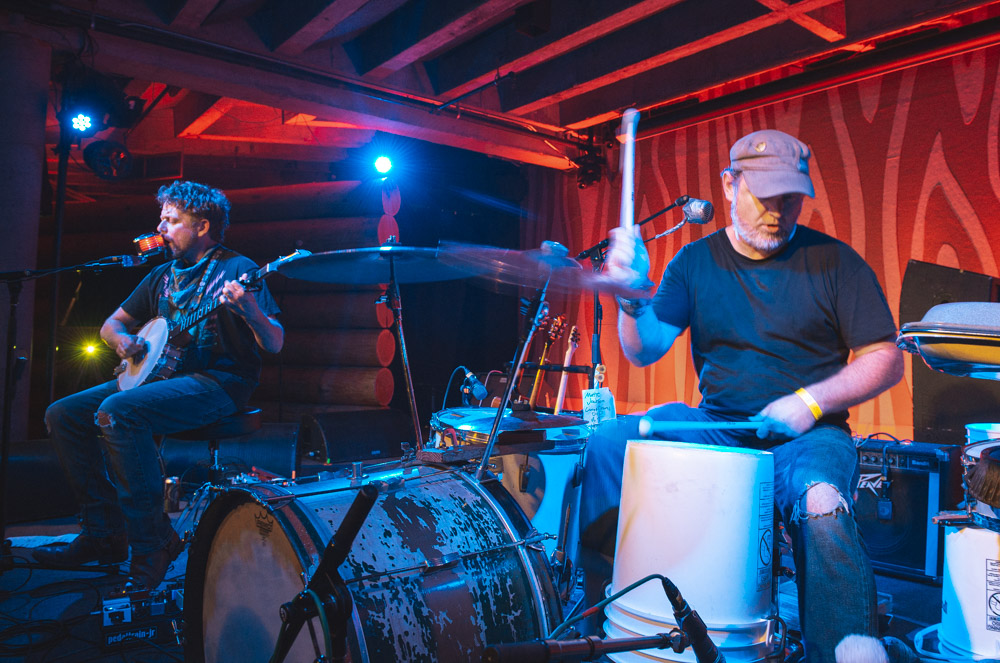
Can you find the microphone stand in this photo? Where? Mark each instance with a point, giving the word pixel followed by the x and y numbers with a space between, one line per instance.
pixel 13 369
pixel 596 254
pixel 326 590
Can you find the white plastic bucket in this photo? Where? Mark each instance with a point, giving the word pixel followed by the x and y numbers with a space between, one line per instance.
pixel 970 594
pixel 979 432
pixel 702 516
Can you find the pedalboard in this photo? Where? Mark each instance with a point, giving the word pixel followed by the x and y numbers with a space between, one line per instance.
pixel 141 617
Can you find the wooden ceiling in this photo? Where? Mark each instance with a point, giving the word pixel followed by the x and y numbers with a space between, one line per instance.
pixel 301 84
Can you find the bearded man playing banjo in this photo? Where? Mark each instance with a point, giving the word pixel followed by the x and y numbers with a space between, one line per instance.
pixel 104 435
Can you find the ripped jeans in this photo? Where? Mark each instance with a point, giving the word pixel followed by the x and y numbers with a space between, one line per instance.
pixel 836 587
pixel 104 440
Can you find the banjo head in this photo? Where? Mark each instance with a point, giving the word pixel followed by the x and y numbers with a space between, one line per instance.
pixel 156 333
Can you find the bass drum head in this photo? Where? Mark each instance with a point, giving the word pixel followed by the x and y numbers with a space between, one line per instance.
pixel 438 572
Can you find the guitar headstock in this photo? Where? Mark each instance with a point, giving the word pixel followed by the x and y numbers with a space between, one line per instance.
pixel 557 328
pixel 574 337
pixel 253 281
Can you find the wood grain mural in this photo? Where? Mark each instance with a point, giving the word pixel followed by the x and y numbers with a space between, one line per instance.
pixel 905 166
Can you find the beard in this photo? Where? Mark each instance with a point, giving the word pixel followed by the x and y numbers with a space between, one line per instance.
pixel 760 240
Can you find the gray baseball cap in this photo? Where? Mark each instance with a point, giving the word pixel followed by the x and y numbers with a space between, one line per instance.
pixel 773 163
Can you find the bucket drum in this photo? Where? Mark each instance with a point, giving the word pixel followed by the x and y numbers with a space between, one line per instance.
pixel 704 517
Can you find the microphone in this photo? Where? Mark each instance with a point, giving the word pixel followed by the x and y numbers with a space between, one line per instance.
pixel 698 211
pixel 124 261
pixel 705 650
pixel 472 382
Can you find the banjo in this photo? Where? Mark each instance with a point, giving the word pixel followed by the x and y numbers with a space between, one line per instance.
pixel 165 340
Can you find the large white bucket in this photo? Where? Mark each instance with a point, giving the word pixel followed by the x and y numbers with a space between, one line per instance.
pixel 970 594
pixel 704 517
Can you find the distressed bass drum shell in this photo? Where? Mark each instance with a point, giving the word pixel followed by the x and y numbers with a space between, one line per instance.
pixel 438 572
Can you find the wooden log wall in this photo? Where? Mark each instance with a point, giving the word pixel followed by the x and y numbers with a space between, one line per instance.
pixel 338 345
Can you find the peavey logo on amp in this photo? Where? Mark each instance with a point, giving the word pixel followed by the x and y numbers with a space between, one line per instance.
pixel 872 482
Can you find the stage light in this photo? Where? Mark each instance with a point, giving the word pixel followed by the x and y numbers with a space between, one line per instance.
pixel 108 159
pixel 92 102
pixel 82 122
pixel 383 164
pixel 90 349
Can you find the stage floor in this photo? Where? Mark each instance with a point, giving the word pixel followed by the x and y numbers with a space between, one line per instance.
pixel 55 616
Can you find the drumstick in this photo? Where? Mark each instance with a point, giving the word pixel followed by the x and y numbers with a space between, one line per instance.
pixel 648 426
pixel 630 121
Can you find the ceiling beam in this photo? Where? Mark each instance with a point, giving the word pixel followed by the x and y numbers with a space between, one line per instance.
pixel 309 92
pixel 418 29
pixel 193 13
pixel 507 49
pixel 636 49
pixel 289 28
pixel 828 23
pixel 698 76
pixel 196 112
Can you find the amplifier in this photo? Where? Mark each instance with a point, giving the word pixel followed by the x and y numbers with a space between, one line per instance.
pixel 903 485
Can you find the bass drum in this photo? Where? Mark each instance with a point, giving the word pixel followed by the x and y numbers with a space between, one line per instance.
pixel 439 571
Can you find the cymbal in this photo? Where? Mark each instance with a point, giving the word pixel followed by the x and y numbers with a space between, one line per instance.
pixel 480 419
pixel 533 268
pixel 371 265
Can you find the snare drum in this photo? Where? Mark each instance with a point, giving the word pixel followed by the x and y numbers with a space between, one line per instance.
pixel 544 483
pixel 440 570
pixel 981 437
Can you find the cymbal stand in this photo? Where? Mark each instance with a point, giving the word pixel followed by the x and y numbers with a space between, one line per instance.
pixel 537 311
pixel 395 303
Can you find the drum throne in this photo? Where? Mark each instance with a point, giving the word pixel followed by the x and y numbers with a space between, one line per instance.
pixel 241 423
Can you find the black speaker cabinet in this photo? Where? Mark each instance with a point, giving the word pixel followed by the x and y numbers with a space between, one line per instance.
pixel 943 404
pixel 903 485
pixel 356 435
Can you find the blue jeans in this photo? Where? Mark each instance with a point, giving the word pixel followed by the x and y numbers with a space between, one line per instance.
pixel 104 440
pixel 836 587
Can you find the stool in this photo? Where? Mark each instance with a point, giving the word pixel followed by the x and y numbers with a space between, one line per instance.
pixel 238 424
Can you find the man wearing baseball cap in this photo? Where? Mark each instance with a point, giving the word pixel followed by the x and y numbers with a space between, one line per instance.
pixel 789 328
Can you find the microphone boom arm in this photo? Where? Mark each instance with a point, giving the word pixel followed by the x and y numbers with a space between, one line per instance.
pixel 596 249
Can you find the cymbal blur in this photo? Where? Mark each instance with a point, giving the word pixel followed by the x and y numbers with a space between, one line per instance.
pixel 371 265
pixel 532 268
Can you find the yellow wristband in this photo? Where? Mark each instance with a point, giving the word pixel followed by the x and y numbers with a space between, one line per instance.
pixel 810 402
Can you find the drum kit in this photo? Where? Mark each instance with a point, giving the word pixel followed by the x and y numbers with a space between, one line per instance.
pixel 467 543
pixel 963 339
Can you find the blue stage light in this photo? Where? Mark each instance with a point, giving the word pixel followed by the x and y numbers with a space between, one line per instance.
pixel 383 164
pixel 82 122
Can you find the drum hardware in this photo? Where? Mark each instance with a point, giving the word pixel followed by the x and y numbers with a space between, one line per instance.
pixel 952 338
pixel 391 264
pixel 588 648
pixel 326 596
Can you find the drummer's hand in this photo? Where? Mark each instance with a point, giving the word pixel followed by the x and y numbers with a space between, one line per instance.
pixel 238 299
pixel 129 345
pixel 627 261
pixel 786 417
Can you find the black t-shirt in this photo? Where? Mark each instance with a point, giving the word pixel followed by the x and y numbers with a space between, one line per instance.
pixel 760 329
pixel 223 346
